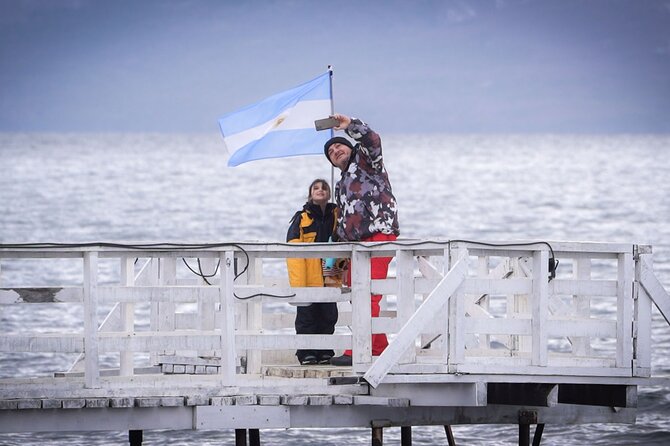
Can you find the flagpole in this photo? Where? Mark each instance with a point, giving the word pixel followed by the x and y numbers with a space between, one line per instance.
pixel 332 112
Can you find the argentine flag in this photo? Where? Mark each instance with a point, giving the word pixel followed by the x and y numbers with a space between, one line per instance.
pixel 281 125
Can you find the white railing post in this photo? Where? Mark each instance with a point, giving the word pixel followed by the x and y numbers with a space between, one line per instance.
pixel 361 317
pixel 581 346
pixel 446 327
pixel 540 308
pixel 405 297
pixel 483 301
pixel 206 311
pixel 91 358
pixel 166 312
pixel 227 320
pixel 154 316
pixel 127 315
pixel 642 311
pixel 624 344
pixel 254 313
pixel 456 314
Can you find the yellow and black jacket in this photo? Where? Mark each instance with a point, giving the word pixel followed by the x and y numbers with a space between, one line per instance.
pixel 308 226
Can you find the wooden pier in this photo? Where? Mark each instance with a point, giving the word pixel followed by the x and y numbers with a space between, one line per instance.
pixel 201 337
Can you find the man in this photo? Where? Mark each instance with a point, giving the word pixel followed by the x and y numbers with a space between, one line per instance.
pixel 368 210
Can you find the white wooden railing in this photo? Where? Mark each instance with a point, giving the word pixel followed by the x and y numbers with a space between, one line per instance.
pixel 450 307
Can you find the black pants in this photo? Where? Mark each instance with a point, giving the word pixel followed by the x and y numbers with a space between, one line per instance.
pixel 316 319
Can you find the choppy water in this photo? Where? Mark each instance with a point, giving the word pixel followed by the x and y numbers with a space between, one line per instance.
pixel 177 188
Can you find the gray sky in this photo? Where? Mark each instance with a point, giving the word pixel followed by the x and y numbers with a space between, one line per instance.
pixel 462 66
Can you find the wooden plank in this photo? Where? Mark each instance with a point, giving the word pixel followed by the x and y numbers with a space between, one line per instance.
pixel 429 309
pixel 456 310
pixel 320 400
pixel 343 399
pixel 540 308
pixel 254 314
pixel 97 403
pixel 245 400
pixel 405 299
pixel 122 402
pixel 366 400
pixel 55 343
pixel 361 314
pixel 227 327
pixel 30 403
pixel 432 394
pixel 585 328
pixel 74 403
pixel 642 315
pixel 294 400
pixel 655 290
pixel 39 295
pixel 50 403
pixel 242 417
pixel 197 400
pixel 269 400
pixel 127 317
pixel 273 341
pixel 586 287
pixel 624 347
pixel 501 326
pixel 91 358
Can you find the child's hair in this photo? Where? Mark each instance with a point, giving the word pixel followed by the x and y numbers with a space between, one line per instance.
pixel 324 184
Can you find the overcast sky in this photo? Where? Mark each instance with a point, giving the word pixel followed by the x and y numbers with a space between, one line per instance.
pixel 462 66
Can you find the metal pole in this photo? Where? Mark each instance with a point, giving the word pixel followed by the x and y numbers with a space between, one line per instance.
pixel 524 434
pixel 450 435
pixel 240 437
pixel 332 112
pixel 254 437
pixel 135 438
pixel 377 436
pixel 405 435
pixel 537 437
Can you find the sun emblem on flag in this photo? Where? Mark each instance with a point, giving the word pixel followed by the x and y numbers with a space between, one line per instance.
pixel 279 121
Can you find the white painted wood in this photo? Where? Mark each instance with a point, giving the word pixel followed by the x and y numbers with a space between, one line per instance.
pixel 152 278
pixel 361 310
pixel 127 316
pixel 91 359
pixel 642 317
pixel 227 328
pixel 41 295
pixel 456 310
pixel 624 346
pixel 586 287
pixel 540 307
pixel 405 303
pixel 245 417
pixel 483 301
pixel 429 309
pixel 655 290
pixel 436 394
pixel 254 314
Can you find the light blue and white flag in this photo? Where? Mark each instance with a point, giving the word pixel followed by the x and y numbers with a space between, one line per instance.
pixel 281 125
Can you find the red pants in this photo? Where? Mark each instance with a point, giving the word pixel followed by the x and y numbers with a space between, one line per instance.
pixel 379 267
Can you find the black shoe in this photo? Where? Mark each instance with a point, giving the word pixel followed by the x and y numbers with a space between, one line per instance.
pixel 309 360
pixel 343 360
pixel 325 359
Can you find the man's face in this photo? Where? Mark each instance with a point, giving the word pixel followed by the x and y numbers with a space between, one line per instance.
pixel 339 154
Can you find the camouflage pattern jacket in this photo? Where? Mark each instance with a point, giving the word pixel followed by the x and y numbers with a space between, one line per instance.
pixel 363 193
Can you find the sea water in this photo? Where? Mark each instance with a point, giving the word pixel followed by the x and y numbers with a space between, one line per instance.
pixel 177 188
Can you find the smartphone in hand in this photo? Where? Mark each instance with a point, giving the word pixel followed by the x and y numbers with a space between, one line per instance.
pixel 327 123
